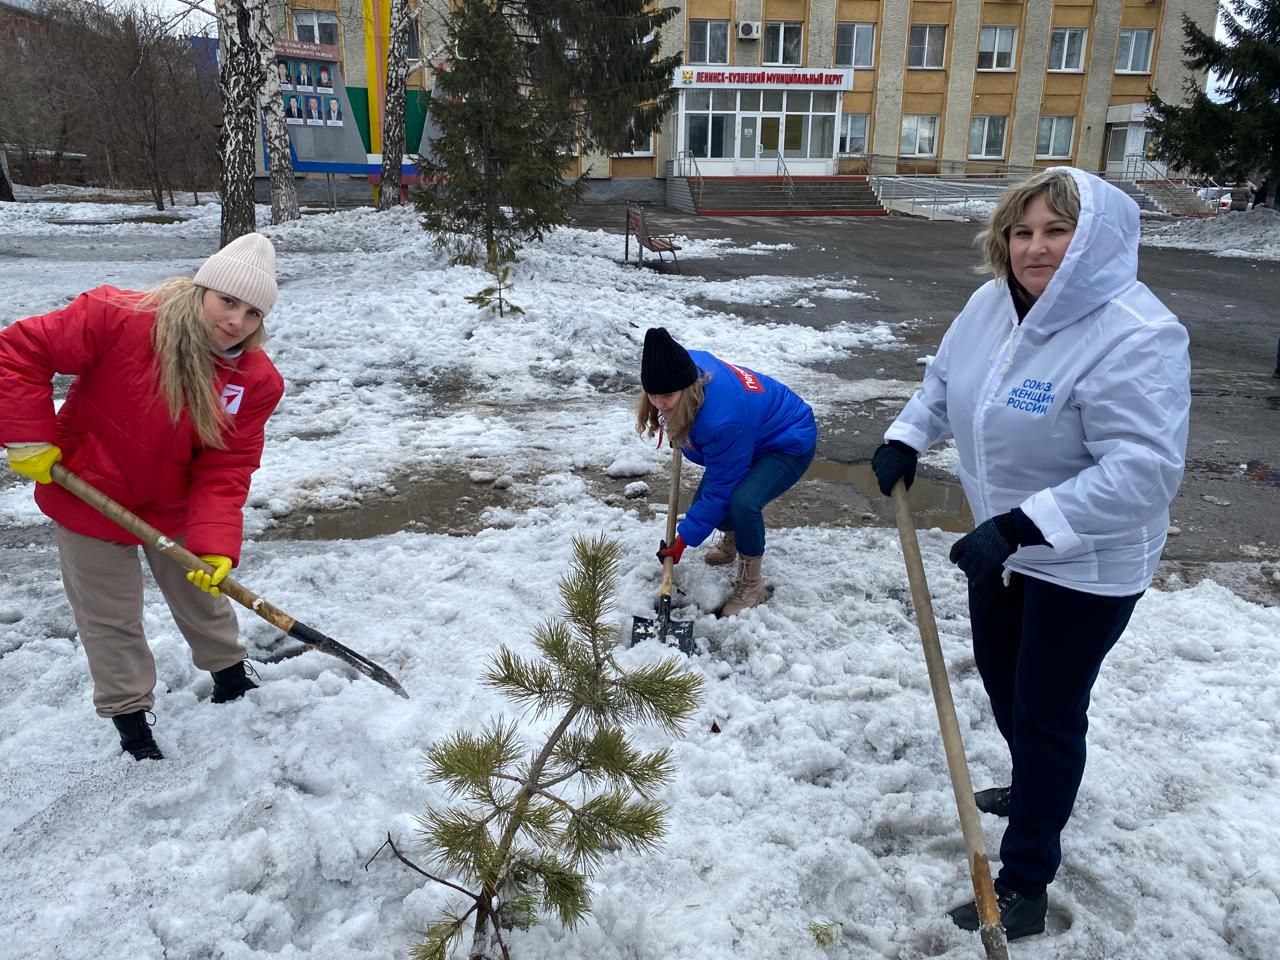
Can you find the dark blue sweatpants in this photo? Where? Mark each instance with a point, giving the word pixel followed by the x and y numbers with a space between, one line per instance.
pixel 1038 647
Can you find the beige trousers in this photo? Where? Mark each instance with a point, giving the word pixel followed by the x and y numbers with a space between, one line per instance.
pixel 103 581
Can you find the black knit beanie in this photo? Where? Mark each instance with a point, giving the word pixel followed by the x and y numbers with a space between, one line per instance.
pixel 665 366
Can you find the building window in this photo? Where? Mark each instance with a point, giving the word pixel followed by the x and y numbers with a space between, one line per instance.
pixel 1134 53
pixel 855 45
pixel 315 26
pixel 640 146
pixel 1066 50
pixel 709 120
pixel 1055 137
pixel 783 43
pixel 995 48
pixel 414 48
pixel 919 135
pixel 708 41
pixel 986 138
pixel 927 46
pixel 853 134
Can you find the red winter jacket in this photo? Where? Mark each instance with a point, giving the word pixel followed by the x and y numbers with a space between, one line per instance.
pixel 115 430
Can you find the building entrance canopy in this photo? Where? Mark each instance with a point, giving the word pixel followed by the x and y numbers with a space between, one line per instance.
pixel 760 120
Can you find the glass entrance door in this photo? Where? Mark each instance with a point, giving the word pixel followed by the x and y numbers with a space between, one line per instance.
pixel 759 143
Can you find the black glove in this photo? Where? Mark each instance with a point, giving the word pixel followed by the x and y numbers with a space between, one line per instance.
pixel 893 461
pixel 982 553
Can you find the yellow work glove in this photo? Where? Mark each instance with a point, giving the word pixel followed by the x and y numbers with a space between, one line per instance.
pixel 33 460
pixel 208 582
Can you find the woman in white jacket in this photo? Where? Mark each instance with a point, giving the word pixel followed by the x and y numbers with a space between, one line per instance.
pixel 1065 383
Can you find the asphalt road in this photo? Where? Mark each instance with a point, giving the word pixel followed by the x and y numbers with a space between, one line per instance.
pixel 921 273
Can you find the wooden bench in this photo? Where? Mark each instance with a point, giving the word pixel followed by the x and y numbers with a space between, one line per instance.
pixel 646 241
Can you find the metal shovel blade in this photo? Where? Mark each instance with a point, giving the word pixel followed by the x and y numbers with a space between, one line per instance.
pixel 674 633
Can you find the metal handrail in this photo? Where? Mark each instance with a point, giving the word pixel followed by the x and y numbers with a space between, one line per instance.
pixel 683 163
pixel 882 164
pixel 786 179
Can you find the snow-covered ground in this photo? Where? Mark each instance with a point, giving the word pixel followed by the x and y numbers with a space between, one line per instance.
pixel 1254 233
pixel 823 798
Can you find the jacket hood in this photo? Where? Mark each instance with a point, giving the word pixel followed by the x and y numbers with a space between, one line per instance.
pixel 1101 260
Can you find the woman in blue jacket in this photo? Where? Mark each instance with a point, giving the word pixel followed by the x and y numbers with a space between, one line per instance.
pixel 753 435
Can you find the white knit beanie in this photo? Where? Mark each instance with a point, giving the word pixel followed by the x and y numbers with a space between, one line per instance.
pixel 244 268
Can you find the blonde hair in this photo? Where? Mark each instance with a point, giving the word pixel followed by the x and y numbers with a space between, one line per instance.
pixel 185 358
pixel 1060 195
pixel 679 421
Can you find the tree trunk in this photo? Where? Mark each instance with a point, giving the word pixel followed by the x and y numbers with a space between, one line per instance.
pixel 6 188
pixel 238 77
pixel 284 192
pixel 393 109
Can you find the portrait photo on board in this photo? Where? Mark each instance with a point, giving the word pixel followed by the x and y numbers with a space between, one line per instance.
pixel 306 77
pixel 333 112
pixel 286 79
pixel 324 79
pixel 292 108
pixel 314 117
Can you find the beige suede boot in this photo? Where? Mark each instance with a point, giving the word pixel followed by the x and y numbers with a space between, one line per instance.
pixel 724 551
pixel 748 587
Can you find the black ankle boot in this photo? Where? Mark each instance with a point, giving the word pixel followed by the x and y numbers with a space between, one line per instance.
pixel 135 736
pixel 232 683
pixel 994 800
pixel 1021 916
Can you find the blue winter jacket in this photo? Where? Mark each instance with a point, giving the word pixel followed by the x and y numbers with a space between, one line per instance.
pixel 744 416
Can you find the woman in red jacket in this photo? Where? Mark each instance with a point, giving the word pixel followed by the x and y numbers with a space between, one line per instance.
pixel 166 416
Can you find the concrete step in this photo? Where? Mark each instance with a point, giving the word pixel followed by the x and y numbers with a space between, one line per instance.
pixel 773 196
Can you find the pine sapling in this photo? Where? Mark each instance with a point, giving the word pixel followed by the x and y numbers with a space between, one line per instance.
pixel 494 296
pixel 532 820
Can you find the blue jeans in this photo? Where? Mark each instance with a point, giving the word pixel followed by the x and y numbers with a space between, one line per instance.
pixel 769 478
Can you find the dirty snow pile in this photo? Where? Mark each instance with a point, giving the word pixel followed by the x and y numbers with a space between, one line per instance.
pixel 824 796
pixel 976 210
pixel 1253 233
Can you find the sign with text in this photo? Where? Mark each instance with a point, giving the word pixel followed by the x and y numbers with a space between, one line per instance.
pixel 760 78
pixel 316 110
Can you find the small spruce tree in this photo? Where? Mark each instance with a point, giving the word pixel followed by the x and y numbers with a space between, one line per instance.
pixel 529 82
pixel 1239 136
pixel 495 172
pixel 531 822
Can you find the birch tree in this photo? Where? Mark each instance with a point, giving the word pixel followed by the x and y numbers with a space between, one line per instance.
pixel 284 192
pixel 393 111
pixel 240 77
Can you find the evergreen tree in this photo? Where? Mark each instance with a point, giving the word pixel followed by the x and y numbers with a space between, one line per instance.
pixel 529 80
pixel 1241 135
pixel 531 822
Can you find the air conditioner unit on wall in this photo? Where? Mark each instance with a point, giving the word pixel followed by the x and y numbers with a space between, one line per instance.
pixel 748 29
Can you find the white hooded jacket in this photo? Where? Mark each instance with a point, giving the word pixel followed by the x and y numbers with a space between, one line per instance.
pixel 1078 415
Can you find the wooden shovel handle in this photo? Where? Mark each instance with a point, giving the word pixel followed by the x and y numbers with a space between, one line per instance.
pixel 993 939
pixel 168 546
pixel 673 507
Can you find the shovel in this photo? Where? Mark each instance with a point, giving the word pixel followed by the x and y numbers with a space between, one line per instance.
pixel 674 633
pixel 233 589
pixel 984 893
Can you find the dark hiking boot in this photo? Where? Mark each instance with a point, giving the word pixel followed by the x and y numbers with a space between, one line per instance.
pixel 232 683
pixel 1021 916
pixel 135 736
pixel 994 800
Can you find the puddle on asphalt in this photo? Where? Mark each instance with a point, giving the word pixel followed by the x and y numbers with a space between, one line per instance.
pixel 441 503
pixel 829 495
pixel 934 504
